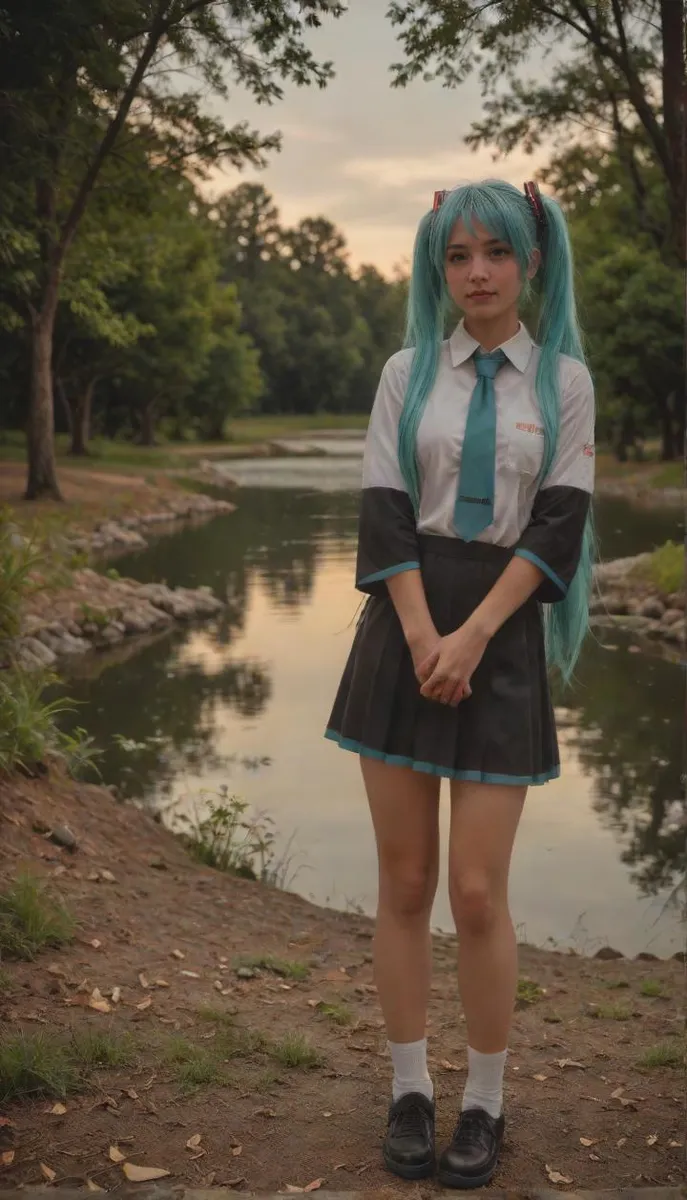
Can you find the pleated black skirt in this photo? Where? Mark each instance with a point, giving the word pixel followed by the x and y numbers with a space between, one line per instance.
pixel 504 733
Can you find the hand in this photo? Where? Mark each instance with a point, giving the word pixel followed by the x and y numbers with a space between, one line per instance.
pixel 449 668
pixel 422 650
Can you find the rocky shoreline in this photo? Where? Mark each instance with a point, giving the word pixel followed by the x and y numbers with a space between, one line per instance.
pixel 95 611
pixel 623 599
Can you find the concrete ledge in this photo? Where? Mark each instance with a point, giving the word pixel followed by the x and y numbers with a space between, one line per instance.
pixel 180 1192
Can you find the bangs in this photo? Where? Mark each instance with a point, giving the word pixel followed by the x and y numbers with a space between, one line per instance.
pixel 498 206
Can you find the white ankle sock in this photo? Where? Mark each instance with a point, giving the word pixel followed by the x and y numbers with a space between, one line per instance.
pixel 484 1087
pixel 410 1069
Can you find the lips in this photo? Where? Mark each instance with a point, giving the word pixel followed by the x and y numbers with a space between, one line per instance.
pixel 481 295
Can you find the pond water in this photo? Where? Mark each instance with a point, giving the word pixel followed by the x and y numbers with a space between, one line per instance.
pixel 242 703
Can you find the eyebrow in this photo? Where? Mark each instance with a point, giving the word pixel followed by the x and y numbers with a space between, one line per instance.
pixel 463 246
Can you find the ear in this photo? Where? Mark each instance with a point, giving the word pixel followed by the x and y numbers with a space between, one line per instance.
pixel 535 263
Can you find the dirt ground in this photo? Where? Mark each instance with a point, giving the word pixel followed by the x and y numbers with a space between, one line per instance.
pixel 89 494
pixel 170 935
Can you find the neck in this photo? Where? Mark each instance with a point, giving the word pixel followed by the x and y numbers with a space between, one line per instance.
pixel 494 332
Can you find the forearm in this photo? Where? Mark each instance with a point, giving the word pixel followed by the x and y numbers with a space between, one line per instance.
pixel 513 588
pixel 408 598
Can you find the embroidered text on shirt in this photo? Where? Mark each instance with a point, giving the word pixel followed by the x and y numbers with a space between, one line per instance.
pixel 539 429
pixel 588 450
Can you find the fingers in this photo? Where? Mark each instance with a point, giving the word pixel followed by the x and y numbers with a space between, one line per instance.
pixel 446 691
pixel 426 667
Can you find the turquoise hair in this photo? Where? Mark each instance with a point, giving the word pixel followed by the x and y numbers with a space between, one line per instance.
pixel 507 214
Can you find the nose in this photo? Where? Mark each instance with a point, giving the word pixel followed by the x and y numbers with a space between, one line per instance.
pixel 479 269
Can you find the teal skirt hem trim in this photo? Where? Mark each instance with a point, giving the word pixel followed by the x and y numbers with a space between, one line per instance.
pixel 399 760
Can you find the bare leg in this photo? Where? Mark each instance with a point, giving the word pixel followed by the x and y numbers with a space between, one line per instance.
pixel 405 813
pixel 484 821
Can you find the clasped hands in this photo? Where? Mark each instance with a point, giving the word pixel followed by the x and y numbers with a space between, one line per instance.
pixel 444 665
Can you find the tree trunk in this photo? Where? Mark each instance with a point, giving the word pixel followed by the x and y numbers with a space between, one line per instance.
pixel 668 433
pixel 147 436
pixel 42 480
pixel 675 113
pixel 81 420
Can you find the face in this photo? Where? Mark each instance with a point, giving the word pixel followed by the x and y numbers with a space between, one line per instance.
pixel 482 273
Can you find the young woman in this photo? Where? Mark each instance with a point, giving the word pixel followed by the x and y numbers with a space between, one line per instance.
pixel 475 550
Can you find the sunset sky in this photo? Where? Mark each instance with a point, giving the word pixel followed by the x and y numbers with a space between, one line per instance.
pixel 362 153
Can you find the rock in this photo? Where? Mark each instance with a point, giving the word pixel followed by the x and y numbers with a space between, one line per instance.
pixel 607 953
pixel 108 876
pixel 111 634
pixel 42 653
pixel 672 616
pixel 140 620
pixel 245 973
pixel 652 608
pixel 61 835
pixel 676 600
pixel 72 645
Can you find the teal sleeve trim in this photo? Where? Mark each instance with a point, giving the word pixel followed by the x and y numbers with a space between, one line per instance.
pixel 389 571
pixel 538 562
pixel 399 760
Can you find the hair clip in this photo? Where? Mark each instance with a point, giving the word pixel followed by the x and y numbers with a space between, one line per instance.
pixel 533 197
pixel 439 198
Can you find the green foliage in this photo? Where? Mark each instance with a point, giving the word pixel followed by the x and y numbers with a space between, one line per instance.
pixel 294 1051
pixel 29 733
pixel 285 968
pixel 652 988
pixel 32 918
pixel 33 1065
pixel 666 1054
pixel 17 560
pixel 665 569
pixel 228 840
pixel 93 1048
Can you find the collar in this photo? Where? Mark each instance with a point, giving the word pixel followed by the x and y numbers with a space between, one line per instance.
pixel 517 349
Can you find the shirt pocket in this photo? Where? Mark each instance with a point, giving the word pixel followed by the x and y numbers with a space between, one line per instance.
pixel 524 447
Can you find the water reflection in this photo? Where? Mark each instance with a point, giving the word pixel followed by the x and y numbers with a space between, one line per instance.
pixel 242 701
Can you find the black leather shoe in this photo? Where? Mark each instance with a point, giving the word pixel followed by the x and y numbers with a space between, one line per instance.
pixel 472 1157
pixel 409 1142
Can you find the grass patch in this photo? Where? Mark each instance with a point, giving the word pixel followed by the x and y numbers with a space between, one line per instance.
pixel 227 838
pixel 32 919
pixel 5 982
pixel 193 1066
pixel 665 569
pixel 294 1050
pixel 35 1064
pixel 338 1013
pixel 528 992
pixel 651 988
pixel 666 1054
pixel 285 968
pixel 613 1012
pixel 615 985
pixel 671 475
pixel 216 1016
pixel 93 1048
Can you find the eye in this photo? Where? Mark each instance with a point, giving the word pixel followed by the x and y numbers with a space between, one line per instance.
pixel 501 251
pixel 456 256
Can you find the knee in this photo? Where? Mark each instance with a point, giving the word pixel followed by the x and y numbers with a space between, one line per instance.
pixel 473 903
pixel 407 890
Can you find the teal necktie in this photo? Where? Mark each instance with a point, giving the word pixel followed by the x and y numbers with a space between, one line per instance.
pixel 474 507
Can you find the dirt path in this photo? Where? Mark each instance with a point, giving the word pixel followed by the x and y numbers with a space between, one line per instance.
pixel 209 1095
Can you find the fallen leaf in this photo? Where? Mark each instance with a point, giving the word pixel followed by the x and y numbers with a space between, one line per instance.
pixel 143 982
pixel 199 1154
pixel 209 1179
pixel 145 1003
pixel 569 1062
pixel 556 1177
pixel 237 1151
pixel 595 1158
pixel 675 1145
pixel 264 1112
pixel 48 1173
pixel 116 1155
pixel 132 1094
pixel 161 983
pixel 97 1001
pixel 540 1078
pixel 116 995
pixel 57 1110
pixel 54 969
pixel 624 1100
pixel 107 876
pixel 336 976
pixel 621 1142
pixel 652 1139
pixel 588 1141
pixel 143 1174
pixel 178 954
pixel 448 1066
pixel 7 1158
pixel 193 1142
pixel 312 1187
pixel 326 1114
pixel 96 944
pixel 190 974
pixel 314 1003
pixel 93 1187
pixel 232 1183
